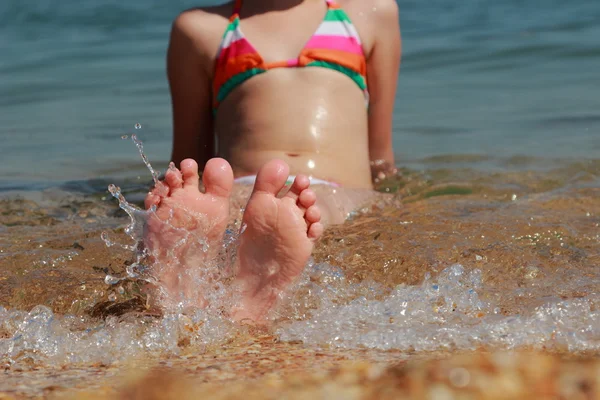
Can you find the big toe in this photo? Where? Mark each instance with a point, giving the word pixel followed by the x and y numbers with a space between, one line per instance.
pixel 218 177
pixel 271 177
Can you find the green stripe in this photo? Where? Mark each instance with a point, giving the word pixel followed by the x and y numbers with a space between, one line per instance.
pixel 336 15
pixel 231 27
pixel 234 81
pixel 355 76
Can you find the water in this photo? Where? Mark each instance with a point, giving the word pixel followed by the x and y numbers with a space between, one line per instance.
pixel 447 314
pixel 440 314
pixel 493 79
pixel 497 105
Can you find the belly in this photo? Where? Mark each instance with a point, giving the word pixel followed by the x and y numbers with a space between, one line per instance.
pixel 313 118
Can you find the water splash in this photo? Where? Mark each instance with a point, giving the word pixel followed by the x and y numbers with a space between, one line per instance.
pixel 206 275
pixel 40 336
pixel 140 147
pixel 324 308
pixel 442 314
pixel 445 313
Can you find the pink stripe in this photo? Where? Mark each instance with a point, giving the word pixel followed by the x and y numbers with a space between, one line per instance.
pixel 329 42
pixel 292 62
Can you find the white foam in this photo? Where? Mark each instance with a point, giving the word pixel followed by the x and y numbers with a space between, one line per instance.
pixel 447 314
pixel 440 314
pixel 41 336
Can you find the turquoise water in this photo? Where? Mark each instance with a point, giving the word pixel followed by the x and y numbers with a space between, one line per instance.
pixel 496 79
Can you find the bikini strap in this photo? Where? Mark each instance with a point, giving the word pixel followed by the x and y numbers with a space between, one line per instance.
pixel 237 7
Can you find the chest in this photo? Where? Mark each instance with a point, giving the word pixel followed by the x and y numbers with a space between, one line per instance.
pixel 283 34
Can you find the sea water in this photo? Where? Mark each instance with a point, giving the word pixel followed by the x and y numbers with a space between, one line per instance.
pixel 440 314
pixel 501 86
pixel 323 308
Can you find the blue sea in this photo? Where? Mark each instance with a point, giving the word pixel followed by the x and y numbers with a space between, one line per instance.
pixel 484 82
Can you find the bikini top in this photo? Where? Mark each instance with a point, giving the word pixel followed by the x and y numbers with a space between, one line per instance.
pixel 335 45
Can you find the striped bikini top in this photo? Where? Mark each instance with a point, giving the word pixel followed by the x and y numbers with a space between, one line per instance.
pixel 335 45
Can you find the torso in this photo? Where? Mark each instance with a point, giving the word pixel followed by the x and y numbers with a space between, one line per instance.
pixel 314 118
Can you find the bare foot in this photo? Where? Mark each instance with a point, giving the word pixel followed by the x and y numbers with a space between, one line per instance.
pixel 187 228
pixel 277 240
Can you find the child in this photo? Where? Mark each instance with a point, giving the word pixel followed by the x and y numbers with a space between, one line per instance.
pixel 275 87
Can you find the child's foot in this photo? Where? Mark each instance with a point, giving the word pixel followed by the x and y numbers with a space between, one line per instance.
pixel 187 227
pixel 277 240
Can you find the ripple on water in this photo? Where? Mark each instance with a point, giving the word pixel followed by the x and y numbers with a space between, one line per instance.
pixel 448 312
pixel 445 313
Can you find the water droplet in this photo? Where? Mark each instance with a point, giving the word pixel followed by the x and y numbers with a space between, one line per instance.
pixel 124 137
pixel 105 239
pixel 138 126
pixel 112 297
pixel 111 280
pixel 138 143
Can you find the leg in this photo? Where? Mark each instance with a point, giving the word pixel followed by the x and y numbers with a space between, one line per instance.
pixel 277 240
pixel 187 227
pixel 337 203
pixel 334 203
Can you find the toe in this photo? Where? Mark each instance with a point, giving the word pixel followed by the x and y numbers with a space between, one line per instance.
pixel 173 178
pixel 312 215
pixel 151 199
pixel 218 177
pixel 156 194
pixel 307 198
pixel 271 177
pixel 189 172
pixel 315 231
pixel 301 183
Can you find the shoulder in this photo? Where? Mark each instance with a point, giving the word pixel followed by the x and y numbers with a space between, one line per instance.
pixel 374 9
pixel 375 20
pixel 199 30
pixel 387 8
pixel 385 16
pixel 203 21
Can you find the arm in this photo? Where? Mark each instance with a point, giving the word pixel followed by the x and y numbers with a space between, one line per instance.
pixel 383 66
pixel 190 86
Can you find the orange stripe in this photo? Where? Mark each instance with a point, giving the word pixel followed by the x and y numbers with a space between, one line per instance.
pixel 276 64
pixel 234 66
pixel 355 62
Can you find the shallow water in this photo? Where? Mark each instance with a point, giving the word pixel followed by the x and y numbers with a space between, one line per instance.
pixel 487 79
pixel 496 244
pixel 492 262
pixel 470 260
